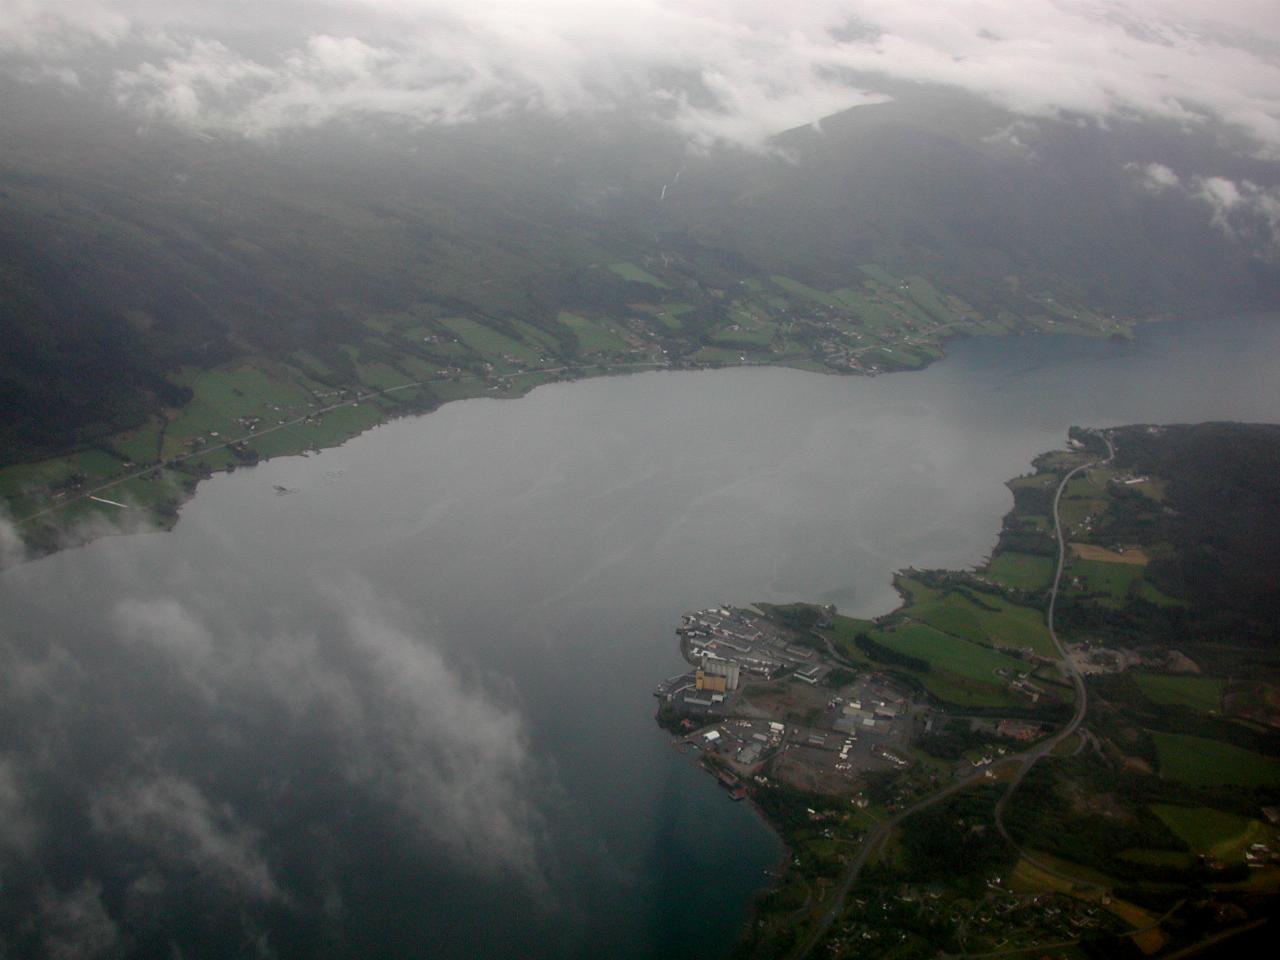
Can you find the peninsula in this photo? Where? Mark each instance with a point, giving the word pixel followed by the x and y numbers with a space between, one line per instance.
pixel 1071 751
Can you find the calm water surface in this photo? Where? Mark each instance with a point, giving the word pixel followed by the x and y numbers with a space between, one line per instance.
pixel 405 710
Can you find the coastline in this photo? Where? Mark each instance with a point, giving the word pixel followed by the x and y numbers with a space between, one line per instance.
pixel 41 533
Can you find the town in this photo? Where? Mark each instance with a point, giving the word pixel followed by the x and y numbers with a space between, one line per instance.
pixel 758 694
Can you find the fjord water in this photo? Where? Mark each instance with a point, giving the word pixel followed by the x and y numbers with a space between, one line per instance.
pixel 403 707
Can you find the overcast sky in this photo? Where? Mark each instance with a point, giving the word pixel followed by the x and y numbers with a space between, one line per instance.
pixel 720 70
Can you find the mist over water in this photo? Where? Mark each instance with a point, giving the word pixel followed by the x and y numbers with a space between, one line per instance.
pixel 405 709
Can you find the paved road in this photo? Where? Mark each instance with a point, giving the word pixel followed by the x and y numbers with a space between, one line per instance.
pixel 876 837
pixel 1028 759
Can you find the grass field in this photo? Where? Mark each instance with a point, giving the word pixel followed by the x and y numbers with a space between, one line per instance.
pixel 1022 571
pixel 629 271
pixel 593 336
pixel 1216 833
pixel 960 672
pixel 1158 858
pixel 142 446
pixel 714 354
pixel 489 342
pixel 1009 625
pixel 926 296
pixel 1117 582
pixel 1210 763
pixel 804 290
pixel 1074 511
pixel 750 328
pixel 668 314
pixel 223 394
pixel 1182 690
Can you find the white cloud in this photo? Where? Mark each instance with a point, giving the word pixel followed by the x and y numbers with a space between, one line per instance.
pixel 1241 209
pixel 76 925
pixel 12 550
pixel 454 759
pixel 173 819
pixel 19 826
pixel 1156 176
pixel 403 724
pixel 736 71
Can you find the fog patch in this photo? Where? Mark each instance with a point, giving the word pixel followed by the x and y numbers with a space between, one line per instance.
pixel 19 826
pixel 404 726
pixel 1243 211
pixel 172 819
pixel 75 925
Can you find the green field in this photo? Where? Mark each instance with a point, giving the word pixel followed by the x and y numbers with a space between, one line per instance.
pixel 879 274
pixel 1216 833
pixel 17 481
pixel 1158 858
pixel 1075 510
pixel 488 342
pixel 1182 690
pixel 804 290
pixel 1116 582
pixel 717 354
pixel 668 314
pixel 629 271
pixel 927 297
pixel 1211 763
pixel 751 328
pixel 1022 571
pixel 872 313
pixel 593 335
pixel 223 394
pixel 1007 625
pixel 960 672
pixel 142 446
pixel 380 376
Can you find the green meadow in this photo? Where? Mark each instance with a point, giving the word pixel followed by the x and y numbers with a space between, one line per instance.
pixel 1182 690
pixel 1201 762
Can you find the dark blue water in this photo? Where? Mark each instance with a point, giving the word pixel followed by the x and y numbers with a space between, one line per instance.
pixel 405 711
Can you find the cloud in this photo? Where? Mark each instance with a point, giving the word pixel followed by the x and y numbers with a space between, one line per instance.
pixel 1156 176
pixel 402 724
pixel 717 70
pixel 454 759
pixel 12 550
pixel 173 819
pixel 19 826
pixel 1242 210
pixel 76 925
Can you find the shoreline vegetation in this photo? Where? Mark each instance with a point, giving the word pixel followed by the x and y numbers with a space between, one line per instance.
pixel 935 800
pixel 256 407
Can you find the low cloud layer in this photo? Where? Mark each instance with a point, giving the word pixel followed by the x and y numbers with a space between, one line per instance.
pixel 719 71
pixel 402 723
pixel 1245 212
pixel 171 817
pixel 179 736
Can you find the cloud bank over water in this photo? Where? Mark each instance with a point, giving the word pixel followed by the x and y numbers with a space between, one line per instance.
pixel 187 742
pixel 717 71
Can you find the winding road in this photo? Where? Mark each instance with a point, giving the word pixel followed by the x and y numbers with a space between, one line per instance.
pixel 1030 757
pixel 1027 759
